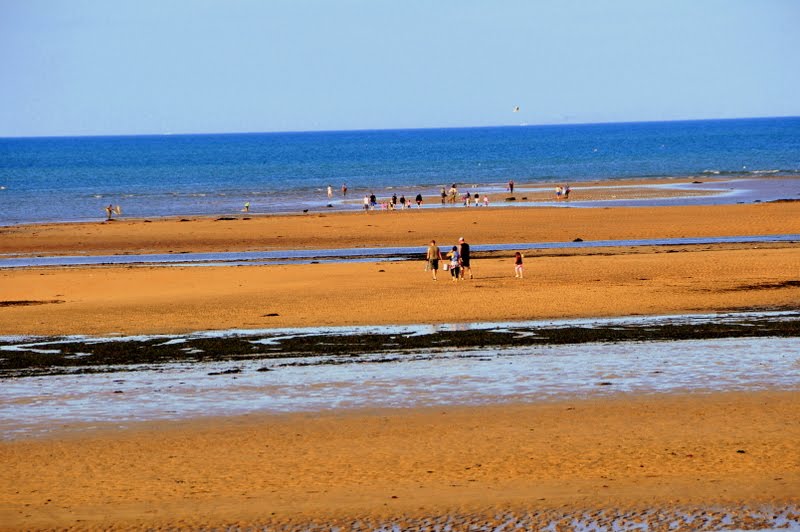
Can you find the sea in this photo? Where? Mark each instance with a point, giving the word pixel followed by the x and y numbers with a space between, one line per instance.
pixel 61 179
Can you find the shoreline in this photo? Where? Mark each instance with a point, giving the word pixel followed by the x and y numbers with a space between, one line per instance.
pixel 591 194
pixel 640 191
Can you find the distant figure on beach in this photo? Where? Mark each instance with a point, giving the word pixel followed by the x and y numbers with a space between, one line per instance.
pixel 418 199
pixel 511 186
pixel 455 263
pixel 344 189
pixel 486 201
pixel 366 203
pixel 109 212
pixel 444 195
pixel 467 199
pixel 453 193
pixel 246 207
pixel 373 201
pixel 433 257
pixel 118 210
pixel 402 201
pixel 566 192
pixel 559 191
pixel 330 191
pixel 464 252
pixel 394 200
pixel 477 199
pixel 518 265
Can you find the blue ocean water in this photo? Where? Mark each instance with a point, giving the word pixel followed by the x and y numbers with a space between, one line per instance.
pixel 74 178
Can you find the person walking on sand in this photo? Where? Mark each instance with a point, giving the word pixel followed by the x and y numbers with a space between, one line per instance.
pixel 511 186
pixel 455 263
pixel 518 265
pixel 109 211
pixel 246 207
pixel 433 257
pixel 418 199
pixel 344 189
pixel 463 252
pixel 366 203
pixel 444 195
pixel 330 192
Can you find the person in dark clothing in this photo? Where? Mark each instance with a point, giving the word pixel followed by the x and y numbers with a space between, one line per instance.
pixel 463 251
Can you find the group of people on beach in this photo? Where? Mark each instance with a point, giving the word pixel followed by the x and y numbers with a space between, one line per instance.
pixel 458 261
pixel 452 196
pixel 562 192
pixel 390 204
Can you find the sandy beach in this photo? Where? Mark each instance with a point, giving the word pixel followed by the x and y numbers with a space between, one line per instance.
pixel 628 453
pixel 558 283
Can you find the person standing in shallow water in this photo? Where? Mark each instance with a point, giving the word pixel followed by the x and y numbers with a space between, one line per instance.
pixel 433 257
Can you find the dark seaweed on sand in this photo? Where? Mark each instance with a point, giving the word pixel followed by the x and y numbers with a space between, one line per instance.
pixel 52 356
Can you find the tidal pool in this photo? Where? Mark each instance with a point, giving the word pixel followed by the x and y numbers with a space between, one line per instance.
pixel 36 405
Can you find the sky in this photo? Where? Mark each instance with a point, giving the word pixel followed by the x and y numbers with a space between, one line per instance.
pixel 99 67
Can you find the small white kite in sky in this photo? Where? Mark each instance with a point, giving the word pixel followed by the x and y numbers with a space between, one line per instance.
pixel 516 108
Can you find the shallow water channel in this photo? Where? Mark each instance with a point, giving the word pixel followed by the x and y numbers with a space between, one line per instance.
pixel 306 256
pixel 180 390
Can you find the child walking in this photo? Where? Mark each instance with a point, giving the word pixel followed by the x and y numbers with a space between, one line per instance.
pixel 518 265
pixel 455 263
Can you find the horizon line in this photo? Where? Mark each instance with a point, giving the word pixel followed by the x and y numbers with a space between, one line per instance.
pixel 356 130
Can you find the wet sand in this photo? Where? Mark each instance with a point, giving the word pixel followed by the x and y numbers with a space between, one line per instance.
pixel 398 228
pixel 625 455
pixel 630 453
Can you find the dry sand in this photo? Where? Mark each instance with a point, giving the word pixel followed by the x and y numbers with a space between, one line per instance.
pixel 184 299
pixel 627 452
pixel 559 283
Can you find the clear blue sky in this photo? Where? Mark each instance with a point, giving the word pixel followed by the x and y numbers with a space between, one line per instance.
pixel 93 67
